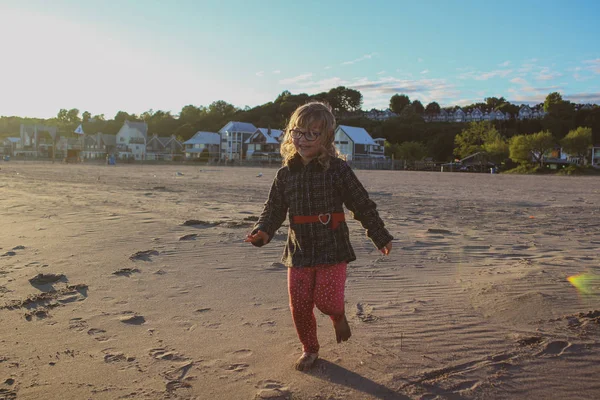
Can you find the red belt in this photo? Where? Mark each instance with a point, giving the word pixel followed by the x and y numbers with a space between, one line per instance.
pixel 325 219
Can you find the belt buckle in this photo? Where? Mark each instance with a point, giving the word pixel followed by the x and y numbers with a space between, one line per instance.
pixel 322 219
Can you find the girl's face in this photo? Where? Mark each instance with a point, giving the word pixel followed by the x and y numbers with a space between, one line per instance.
pixel 308 149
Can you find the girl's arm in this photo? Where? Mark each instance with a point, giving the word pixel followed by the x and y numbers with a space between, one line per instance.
pixel 357 200
pixel 275 210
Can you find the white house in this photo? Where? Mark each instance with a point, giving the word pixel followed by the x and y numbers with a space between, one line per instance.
pixel 233 138
pixel 201 142
pixel 355 143
pixel 131 140
pixel 264 144
pixel 596 156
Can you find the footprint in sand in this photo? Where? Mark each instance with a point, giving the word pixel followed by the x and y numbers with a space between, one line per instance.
pixel 555 348
pixel 272 390
pixel 162 353
pixel 145 255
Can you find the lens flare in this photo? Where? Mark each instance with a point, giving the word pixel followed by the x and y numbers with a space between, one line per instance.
pixel 586 283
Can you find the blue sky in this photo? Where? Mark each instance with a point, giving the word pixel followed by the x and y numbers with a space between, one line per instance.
pixel 106 56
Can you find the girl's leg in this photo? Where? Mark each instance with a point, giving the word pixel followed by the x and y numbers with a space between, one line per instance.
pixel 330 283
pixel 301 284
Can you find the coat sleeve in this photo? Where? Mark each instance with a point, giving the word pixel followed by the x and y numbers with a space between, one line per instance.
pixel 275 209
pixel 364 210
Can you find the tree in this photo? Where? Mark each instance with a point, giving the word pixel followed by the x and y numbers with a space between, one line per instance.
pixel 191 114
pixel 524 148
pixel 432 108
pixel 493 102
pixel 496 147
pixel 552 99
pixel 62 116
pixel 411 151
pixel 418 107
pixel 398 102
pixel 222 109
pixel 122 116
pixel 73 115
pixel 86 116
pixel 577 141
pixel 473 139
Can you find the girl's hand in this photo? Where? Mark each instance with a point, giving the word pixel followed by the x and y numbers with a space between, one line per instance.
pixel 386 249
pixel 259 239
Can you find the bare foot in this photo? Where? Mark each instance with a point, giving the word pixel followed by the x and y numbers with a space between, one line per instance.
pixel 342 329
pixel 306 361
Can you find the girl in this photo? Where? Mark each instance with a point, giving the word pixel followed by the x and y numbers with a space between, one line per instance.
pixel 313 185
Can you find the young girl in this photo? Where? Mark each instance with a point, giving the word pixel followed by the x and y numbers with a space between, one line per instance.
pixel 313 185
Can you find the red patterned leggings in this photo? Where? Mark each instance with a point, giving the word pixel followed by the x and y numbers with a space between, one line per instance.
pixel 322 286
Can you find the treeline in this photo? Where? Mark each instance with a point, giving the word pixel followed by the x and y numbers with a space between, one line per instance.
pixel 433 139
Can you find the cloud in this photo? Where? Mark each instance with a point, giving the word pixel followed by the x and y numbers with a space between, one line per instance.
pixel 593 65
pixel 363 58
pixel 546 75
pixel 519 81
pixel 327 67
pixel 419 59
pixel 377 92
pixel 484 76
pixel 504 64
pixel 425 71
pixel 260 73
pixel 593 98
pixel 277 71
pixel 295 79
pixel 381 73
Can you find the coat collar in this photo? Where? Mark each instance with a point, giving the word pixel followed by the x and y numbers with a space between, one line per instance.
pixel 296 164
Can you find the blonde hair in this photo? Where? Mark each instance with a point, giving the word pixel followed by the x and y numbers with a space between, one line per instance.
pixel 306 116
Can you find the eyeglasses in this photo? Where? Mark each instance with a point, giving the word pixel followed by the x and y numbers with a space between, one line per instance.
pixel 308 135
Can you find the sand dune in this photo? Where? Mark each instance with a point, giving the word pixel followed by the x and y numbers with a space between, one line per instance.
pixel 128 301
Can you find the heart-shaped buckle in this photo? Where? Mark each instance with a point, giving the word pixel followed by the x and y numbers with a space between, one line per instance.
pixel 322 218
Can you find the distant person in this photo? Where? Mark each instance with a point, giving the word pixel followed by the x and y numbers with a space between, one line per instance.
pixel 313 185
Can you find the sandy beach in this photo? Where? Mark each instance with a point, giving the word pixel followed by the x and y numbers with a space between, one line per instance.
pixel 107 293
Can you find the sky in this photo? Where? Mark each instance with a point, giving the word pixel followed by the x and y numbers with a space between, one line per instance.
pixel 106 55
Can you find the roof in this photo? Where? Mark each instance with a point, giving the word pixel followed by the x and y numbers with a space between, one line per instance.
pixel 358 135
pixel 140 126
pixel 275 133
pixel 109 140
pixel 271 139
pixel 233 126
pixel 204 138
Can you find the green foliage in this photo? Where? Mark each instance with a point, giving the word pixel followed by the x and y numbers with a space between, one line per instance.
pixel 418 107
pixel 578 141
pixel 474 138
pixel 525 148
pixel 398 102
pixel 552 99
pixel 432 108
pixel 412 151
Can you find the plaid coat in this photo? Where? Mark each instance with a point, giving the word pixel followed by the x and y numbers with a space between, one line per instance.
pixel 310 190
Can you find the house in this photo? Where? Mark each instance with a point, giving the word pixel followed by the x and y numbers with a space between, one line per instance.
pixel 476 115
pixel 233 138
pixel 131 140
pixel 355 143
pixel 264 144
pixel 98 146
pixel 208 143
pixel 9 145
pixel 163 147
pixel 36 139
pixel 459 115
pixel 380 115
pixel 595 156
